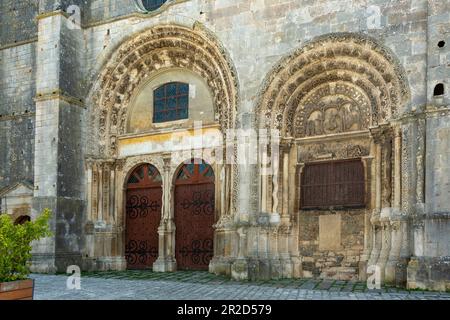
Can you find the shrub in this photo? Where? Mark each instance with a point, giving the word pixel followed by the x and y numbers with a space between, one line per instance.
pixel 15 245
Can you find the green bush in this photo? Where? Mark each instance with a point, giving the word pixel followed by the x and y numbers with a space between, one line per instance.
pixel 15 245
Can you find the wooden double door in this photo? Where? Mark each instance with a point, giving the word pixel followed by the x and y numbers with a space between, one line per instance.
pixel 194 216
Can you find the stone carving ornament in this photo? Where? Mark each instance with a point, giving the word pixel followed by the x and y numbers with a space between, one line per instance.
pixel 161 47
pixel 337 150
pixel 335 83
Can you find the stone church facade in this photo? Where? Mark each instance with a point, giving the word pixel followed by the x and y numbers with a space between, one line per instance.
pixel 260 139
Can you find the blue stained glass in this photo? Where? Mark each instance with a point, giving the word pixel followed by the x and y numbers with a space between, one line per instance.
pixel 172 89
pixel 159 105
pixel 190 168
pixel 183 101
pixel 172 114
pixel 157 117
pixel 183 113
pixel 152 5
pixel 209 173
pixel 160 93
pixel 171 102
pixel 202 167
pixel 183 88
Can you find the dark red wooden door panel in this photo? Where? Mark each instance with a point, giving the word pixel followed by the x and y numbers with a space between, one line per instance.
pixel 194 217
pixel 143 215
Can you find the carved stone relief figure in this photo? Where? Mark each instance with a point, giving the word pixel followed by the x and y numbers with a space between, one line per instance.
pixel 333 121
pixel 363 73
pixel 314 126
pixel 352 117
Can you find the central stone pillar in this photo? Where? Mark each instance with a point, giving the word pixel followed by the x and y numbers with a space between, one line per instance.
pixel 166 251
pixel 59 154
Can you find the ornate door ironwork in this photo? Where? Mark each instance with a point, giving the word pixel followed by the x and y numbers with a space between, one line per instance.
pixel 143 215
pixel 194 216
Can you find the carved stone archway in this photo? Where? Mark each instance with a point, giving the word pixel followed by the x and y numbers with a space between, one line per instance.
pixel 336 98
pixel 148 53
pixel 353 67
pixel 161 47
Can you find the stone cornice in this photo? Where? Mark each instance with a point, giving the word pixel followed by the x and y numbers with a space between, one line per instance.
pixel 423 113
pixel 52 13
pixel 17 116
pixel 18 43
pixel 59 95
pixel 335 137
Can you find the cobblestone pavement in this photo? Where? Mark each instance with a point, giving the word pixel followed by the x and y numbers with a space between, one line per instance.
pixel 147 285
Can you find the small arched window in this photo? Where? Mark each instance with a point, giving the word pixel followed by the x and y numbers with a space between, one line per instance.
pixel 171 102
pixel 439 90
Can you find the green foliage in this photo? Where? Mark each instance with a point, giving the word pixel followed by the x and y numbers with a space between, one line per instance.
pixel 15 245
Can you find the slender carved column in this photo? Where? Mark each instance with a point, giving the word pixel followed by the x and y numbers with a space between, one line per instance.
pixel 376 230
pixel 275 263
pixel 95 198
pixel 264 178
pixel 285 225
pixel 89 189
pixel 112 182
pixel 286 146
pixel 166 230
pixel 100 194
pixel 396 221
pixel 386 211
pixel 119 208
pixel 398 168
pixel 368 232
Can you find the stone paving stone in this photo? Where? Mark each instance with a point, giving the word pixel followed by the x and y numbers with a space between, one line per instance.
pixel 325 285
pixel 310 284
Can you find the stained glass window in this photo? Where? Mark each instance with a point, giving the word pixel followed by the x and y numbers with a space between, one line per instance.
pixel 151 5
pixel 171 102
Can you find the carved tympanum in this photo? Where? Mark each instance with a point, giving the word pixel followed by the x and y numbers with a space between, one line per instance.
pixel 159 48
pixel 336 83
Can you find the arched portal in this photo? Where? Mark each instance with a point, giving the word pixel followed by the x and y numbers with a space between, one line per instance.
pixel 143 215
pixel 194 215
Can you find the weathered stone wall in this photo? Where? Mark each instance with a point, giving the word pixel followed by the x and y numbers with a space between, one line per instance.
pixel 17 21
pixel 335 257
pixel 17 90
pixel 18 31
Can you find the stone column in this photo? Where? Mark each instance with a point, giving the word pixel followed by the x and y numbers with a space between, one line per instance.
pixel 166 230
pixel 247 198
pixel 368 231
pixel 59 173
pixel 392 273
pixel 386 201
pixel 294 182
pixel 286 224
pixel 375 217
pixel 224 235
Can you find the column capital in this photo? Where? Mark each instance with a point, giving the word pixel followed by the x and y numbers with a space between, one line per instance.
pixel 286 144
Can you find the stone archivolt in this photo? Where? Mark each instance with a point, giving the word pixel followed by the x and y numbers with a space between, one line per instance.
pixel 336 83
pixel 324 98
pixel 159 48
